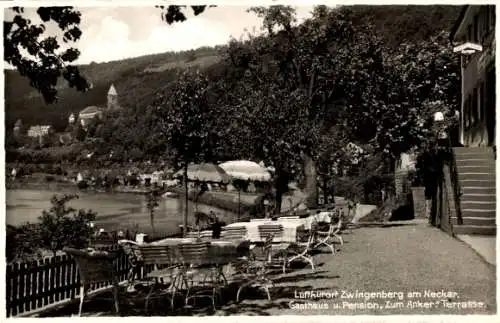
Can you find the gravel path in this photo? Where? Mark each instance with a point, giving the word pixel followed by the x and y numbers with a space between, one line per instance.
pixel 442 273
pixel 401 259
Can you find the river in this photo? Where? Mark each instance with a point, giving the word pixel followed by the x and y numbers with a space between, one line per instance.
pixel 115 211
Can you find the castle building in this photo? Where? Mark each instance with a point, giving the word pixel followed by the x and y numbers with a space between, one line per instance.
pixel 112 98
pixel 39 131
pixel 91 112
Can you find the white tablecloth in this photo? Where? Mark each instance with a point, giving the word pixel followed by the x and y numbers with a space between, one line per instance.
pixel 290 228
pixel 307 222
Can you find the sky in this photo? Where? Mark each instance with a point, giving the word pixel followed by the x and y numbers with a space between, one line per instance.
pixel 113 33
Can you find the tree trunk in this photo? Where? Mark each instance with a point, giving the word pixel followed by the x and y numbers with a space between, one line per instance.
pixel 239 203
pixel 281 184
pixel 152 220
pixel 326 190
pixel 311 188
pixel 186 200
pixel 279 199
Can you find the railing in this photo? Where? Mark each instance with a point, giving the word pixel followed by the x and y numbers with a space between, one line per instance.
pixel 448 198
pixel 449 160
pixel 457 190
pixel 34 285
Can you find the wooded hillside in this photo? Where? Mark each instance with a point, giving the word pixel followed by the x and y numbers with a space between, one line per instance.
pixel 136 79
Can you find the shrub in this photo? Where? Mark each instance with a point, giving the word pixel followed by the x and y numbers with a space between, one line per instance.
pixel 62 226
pixel 49 178
pixel 82 185
pixel 59 227
pixel 58 170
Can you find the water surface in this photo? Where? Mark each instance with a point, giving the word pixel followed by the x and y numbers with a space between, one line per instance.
pixel 114 210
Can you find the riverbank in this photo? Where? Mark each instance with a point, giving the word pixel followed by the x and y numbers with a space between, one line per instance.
pixel 224 200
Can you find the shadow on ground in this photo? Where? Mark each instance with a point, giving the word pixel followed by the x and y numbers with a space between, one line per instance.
pixel 402 213
pixel 253 301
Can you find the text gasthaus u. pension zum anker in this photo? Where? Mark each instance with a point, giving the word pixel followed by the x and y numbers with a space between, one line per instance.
pixel 362 300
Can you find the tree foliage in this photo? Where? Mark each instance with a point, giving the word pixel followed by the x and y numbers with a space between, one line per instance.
pixel 43 59
pixel 152 202
pixel 40 58
pixel 60 226
pixel 296 97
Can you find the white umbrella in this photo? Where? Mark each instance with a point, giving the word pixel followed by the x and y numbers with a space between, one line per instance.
pixel 206 172
pixel 246 170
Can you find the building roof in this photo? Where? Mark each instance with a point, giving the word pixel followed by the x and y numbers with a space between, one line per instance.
pixel 90 109
pixel 458 22
pixel 112 90
pixel 39 129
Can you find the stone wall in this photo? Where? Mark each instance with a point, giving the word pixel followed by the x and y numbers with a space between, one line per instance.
pixel 419 203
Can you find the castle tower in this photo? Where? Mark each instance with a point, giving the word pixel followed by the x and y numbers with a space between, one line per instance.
pixel 18 127
pixel 112 97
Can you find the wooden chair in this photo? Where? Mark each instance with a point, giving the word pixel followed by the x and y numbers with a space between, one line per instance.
pixel 276 250
pixel 234 233
pixel 196 263
pixel 131 250
pixel 292 217
pixel 301 250
pixel 164 275
pixel 276 230
pixel 255 269
pixel 95 267
pixel 324 238
pixel 350 213
pixel 206 234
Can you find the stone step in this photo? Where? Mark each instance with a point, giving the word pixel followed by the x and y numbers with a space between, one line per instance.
pixel 475 161
pixel 474 157
pixel 490 169
pixel 475 212
pixel 476 175
pixel 475 221
pixel 465 150
pixel 490 182
pixel 479 205
pixel 479 190
pixel 469 156
pixel 479 197
pixel 489 230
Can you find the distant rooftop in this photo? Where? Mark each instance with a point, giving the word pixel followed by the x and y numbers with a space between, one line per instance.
pixel 90 109
pixel 112 90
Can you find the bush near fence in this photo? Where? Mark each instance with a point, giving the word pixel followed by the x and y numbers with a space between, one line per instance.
pixel 34 285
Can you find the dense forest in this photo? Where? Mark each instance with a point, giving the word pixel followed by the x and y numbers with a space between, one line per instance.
pixel 346 92
pixel 136 79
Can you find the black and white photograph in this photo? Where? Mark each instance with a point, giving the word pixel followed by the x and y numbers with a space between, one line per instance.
pixel 170 159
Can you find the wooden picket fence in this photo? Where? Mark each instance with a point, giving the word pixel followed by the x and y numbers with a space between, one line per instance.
pixel 34 285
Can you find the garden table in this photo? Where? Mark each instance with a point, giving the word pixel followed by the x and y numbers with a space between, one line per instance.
pixel 203 256
pixel 290 229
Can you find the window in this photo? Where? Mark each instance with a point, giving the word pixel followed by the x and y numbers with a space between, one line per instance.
pixel 476 29
pixel 486 21
pixel 474 107
pixel 467 109
pixel 492 17
pixel 482 102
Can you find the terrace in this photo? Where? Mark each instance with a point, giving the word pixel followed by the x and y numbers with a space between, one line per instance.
pixel 411 257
